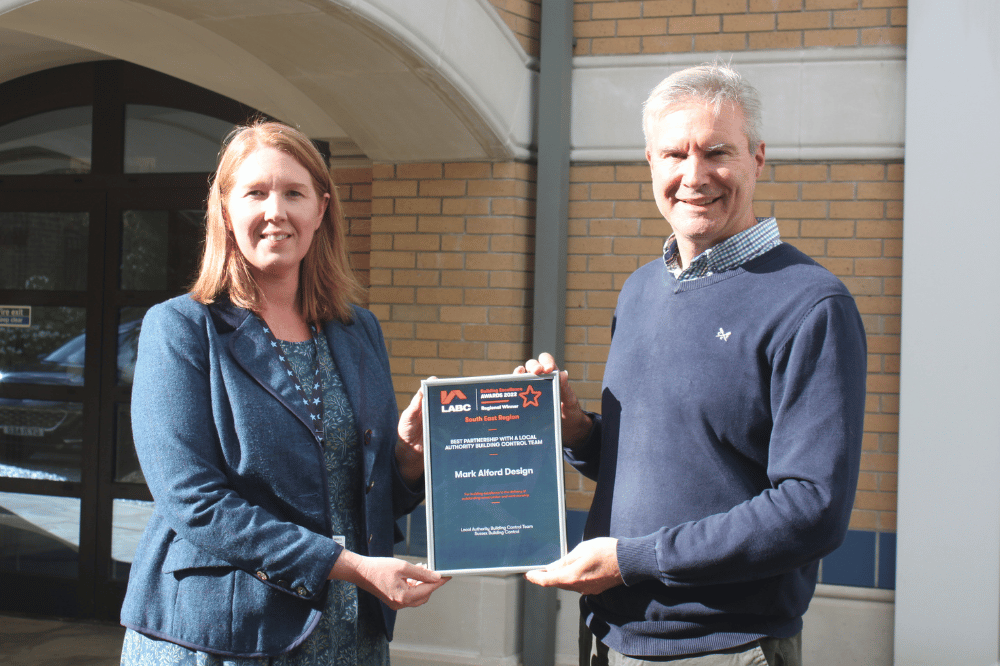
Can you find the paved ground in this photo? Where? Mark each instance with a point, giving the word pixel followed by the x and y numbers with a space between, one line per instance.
pixel 35 642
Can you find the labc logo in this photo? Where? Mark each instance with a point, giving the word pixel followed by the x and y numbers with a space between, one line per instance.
pixel 448 396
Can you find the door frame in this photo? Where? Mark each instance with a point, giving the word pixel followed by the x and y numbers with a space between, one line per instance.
pixel 107 86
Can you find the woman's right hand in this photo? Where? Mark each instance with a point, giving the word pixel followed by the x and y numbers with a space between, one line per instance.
pixel 576 424
pixel 397 583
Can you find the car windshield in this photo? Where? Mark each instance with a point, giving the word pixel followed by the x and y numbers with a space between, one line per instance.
pixel 70 353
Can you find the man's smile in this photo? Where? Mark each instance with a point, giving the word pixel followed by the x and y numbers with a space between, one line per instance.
pixel 703 201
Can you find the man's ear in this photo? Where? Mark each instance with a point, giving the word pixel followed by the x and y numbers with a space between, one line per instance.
pixel 759 158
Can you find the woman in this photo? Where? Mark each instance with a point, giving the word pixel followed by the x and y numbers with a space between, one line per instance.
pixel 265 421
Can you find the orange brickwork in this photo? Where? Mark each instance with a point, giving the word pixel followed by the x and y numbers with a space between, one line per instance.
pixel 849 217
pixel 451 273
pixel 452 257
pixel 354 187
pixel 846 216
pixel 630 27
pixel 523 17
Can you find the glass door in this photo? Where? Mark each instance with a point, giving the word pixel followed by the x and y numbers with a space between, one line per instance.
pixel 102 188
pixel 51 275
pixel 157 237
pixel 78 270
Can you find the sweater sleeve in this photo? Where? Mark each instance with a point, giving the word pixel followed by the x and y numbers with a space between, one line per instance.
pixel 817 398
pixel 172 419
pixel 586 458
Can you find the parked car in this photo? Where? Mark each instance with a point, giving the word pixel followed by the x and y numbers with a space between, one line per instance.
pixel 29 427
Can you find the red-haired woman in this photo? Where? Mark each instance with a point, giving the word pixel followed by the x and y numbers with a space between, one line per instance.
pixel 265 420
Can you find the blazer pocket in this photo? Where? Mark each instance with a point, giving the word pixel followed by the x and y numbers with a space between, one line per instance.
pixel 183 555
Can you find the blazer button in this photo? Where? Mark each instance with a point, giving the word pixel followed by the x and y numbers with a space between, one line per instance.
pixel 368 437
pixel 261 575
pixel 301 591
pixel 281 583
pixel 371 484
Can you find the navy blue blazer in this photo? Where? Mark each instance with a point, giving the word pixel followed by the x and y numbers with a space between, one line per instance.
pixel 236 555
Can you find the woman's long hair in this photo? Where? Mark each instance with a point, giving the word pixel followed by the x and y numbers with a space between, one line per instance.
pixel 327 286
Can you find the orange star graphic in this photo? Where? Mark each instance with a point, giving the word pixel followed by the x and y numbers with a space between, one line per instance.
pixel 530 396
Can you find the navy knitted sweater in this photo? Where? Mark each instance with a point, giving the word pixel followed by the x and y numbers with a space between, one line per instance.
pixel 727 452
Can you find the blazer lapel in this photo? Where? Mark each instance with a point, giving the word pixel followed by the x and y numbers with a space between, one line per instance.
pixel 256 354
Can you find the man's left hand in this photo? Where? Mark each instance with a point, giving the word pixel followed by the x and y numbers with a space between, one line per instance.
pixel 410 446
pixel 590 568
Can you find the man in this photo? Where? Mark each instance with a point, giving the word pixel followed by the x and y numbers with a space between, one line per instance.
pixel 726 453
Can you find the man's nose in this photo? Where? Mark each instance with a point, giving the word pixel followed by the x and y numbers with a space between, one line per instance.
pixel 695 172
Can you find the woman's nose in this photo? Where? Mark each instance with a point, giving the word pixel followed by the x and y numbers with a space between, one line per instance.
pixel 274 208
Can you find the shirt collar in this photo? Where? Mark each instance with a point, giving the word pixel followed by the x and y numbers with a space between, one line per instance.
pixel 730 253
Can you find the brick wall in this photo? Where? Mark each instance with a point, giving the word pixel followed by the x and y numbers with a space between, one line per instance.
pixel 523 17
pixel 452 256
pixel 605 27
pixel 354 186
pixel 846 216
pixel 451 263
pixel 849 217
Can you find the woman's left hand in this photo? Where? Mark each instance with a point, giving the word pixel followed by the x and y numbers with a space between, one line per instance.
pixel 410 447
pixel 396 582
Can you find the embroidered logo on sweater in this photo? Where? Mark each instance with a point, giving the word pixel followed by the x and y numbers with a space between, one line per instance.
pixel 723 335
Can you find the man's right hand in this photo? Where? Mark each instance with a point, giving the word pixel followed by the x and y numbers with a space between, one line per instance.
pixel 576 424
pixel 590 568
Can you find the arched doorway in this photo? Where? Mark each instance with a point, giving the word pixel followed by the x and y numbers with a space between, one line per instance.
pixel 103 177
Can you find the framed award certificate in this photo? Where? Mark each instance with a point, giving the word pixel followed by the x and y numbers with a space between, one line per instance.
pixel 493 473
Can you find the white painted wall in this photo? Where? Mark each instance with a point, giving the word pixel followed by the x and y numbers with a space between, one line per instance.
pixel 819 104
pixel 948 568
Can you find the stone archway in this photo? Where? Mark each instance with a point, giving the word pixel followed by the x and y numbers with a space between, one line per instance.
pixel 394 82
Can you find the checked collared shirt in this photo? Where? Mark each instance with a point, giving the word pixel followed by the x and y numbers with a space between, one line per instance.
pixel 730 253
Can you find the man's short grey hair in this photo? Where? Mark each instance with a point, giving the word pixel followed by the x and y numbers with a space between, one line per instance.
pixel 714 84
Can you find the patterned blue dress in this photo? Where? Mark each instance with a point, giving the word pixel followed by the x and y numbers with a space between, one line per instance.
pixel 344 636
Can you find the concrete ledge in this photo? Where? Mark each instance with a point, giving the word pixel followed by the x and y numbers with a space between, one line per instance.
pixel 849 625
pixel 473 620
pixel 819 104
